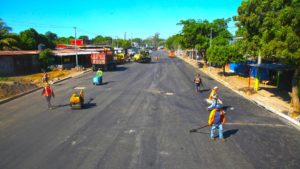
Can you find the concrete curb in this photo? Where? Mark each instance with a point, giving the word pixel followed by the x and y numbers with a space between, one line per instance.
pixel 291 121
pixel 38 88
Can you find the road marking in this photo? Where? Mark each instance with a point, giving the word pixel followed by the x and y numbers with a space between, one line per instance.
pixel 129 131
pixel 164 153
pixel 169 94
pixel 257 124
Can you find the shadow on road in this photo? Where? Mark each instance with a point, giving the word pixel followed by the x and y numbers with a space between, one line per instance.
pixel 105 83
pixel 118 69
pixel 204 90
pixel 61 105
pixel 225 108
pixel 89 104
pixel 228 133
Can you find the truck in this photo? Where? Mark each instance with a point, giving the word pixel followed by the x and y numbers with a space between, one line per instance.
pixel 172 54
pixel 103 59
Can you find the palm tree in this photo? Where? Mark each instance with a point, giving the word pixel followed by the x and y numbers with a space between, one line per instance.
pixel 7 40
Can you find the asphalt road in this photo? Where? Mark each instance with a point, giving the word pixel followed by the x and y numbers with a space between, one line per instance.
pixel 138 119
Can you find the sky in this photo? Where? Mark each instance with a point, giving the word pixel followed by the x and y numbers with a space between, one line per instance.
pixel 115 18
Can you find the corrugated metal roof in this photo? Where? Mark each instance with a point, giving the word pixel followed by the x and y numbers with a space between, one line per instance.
pixel 64 52
pixel 18 52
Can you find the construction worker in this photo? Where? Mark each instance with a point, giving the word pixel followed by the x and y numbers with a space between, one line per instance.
pixel 48 93
pixel 216 120
pixel 99 73
pixel 213 99
pixel 198 82
pixel 45 77
pixel 213 94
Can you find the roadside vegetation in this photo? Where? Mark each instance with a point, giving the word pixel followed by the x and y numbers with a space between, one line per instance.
pixel 266 29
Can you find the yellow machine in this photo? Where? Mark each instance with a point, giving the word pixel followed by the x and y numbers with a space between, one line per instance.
pixel 120 58
pixel 77 100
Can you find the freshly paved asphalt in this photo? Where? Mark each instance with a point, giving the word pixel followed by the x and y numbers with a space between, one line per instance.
pixel 139 119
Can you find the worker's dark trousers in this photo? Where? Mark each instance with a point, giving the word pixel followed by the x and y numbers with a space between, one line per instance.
pixel 48 99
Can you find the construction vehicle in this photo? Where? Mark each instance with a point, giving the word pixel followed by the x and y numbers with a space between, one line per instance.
pixel 103 59
pixel 77 98
pixel 171 54
pixel 142 57
pixel 119 56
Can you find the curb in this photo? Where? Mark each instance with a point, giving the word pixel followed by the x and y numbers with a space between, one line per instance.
pixel 291 121
pixel 38 88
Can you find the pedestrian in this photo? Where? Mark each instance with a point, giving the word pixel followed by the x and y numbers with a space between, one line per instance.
pixel 48 93
pixel 216 121
pixel 45 77
pixel 198 82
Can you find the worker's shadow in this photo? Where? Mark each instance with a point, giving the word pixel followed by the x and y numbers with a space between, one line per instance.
pixel 89 104
pixel 229 133
pixel 225 108
pixel 105 83
pixel 61 105
pixel 204 90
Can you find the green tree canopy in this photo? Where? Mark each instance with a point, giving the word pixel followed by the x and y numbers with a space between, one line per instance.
pixel 7 40
pixel 272 27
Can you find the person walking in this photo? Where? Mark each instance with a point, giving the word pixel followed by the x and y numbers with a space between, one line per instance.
pixel 48 93
pixel 198 82
pixel 45 77
pixel 216 120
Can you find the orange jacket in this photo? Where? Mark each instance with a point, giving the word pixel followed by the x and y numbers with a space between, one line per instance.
pixel 212 116
pixel 47 91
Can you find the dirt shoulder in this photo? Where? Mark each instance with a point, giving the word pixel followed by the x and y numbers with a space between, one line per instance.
pixel 12 86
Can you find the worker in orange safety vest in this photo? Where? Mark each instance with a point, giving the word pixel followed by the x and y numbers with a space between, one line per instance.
pixel 48 93
pixel 215 120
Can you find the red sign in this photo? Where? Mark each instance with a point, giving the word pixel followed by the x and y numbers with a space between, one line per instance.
pixel 79 42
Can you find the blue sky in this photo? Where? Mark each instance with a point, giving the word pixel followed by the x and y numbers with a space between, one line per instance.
pixel 113 18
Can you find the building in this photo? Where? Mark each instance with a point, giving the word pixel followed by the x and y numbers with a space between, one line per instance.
pixel 18 62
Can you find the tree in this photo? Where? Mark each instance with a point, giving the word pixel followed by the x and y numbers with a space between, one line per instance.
pixel 29 39
pixel 7 40
pixel 51 36
pixel 85 39
pixel 173 42
pixel 100 40
pixel 63 40
pixel 155 40
pixel 46 58
pixel 222 54
pixel 272 28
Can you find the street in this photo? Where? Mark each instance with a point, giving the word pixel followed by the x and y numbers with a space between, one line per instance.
pixel 138 119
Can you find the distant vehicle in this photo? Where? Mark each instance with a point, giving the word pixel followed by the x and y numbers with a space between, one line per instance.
pixel 142 57
pixel 103 59
pixel 119 55
pixel 171 54
pixel 145 59
pixel 133 51
pixel 160 48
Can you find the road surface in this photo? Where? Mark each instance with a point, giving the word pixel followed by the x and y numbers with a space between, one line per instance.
pixel 140 119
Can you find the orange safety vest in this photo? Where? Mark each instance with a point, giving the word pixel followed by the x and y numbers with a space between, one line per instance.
pixel 212 116
pixel 47 91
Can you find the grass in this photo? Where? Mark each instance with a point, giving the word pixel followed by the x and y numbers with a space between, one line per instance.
pixel 5 79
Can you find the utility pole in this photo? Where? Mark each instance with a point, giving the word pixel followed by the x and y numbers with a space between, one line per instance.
pixel 125 36
pixel 210 39
pixel 76 48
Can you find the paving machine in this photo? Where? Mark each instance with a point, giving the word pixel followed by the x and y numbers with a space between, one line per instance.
pixel 77 98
